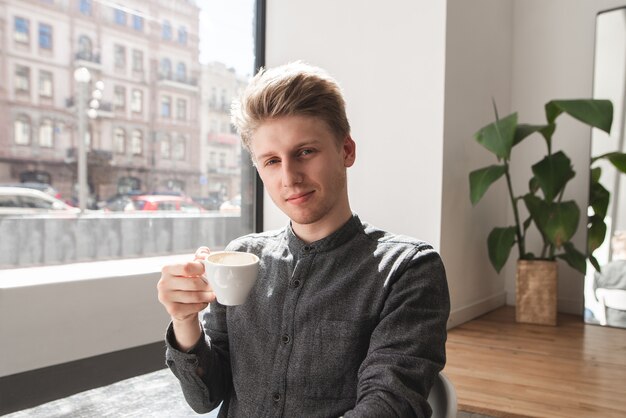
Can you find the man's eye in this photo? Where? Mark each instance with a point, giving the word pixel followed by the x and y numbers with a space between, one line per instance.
pixel 271 162
pixel 306 152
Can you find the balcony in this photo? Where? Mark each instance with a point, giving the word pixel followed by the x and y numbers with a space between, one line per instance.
pixel 184 83
pixel 88 60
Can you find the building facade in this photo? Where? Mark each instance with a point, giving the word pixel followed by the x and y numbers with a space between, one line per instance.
pixel 146 132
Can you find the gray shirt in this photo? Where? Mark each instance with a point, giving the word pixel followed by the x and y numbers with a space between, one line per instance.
pixel 353 324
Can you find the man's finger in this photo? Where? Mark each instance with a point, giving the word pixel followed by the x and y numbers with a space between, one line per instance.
pixel 190 269
pixel 202 252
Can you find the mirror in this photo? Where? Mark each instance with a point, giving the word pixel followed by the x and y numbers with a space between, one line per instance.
pixel 605 291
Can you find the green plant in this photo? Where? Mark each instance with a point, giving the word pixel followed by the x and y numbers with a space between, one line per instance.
pixel 555 219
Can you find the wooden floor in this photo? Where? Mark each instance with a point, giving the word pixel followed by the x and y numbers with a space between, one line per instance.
pixel 504 369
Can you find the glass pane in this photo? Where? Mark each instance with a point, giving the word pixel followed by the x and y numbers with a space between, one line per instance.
pixel 147 91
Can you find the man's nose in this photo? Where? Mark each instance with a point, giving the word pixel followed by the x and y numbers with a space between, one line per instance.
pixel 291 174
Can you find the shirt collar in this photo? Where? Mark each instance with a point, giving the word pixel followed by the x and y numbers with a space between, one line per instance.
pixel 334 240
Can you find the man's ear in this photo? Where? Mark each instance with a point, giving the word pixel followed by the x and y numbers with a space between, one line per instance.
pixel 349 151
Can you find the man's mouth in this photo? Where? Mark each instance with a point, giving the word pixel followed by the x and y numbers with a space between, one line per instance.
pixel 299 197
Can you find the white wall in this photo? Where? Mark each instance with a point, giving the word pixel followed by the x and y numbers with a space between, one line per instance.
pixel 478 68
pixel 389 59
pixel 553 54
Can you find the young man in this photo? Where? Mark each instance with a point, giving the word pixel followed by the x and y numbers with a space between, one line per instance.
pixel 344 319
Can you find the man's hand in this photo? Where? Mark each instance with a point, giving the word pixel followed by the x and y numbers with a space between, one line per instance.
pixel 184 293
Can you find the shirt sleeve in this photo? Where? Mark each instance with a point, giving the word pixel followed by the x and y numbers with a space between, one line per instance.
pixel 407 346
pixel 204 371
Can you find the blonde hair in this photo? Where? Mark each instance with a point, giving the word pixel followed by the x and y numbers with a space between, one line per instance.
pixel 294 89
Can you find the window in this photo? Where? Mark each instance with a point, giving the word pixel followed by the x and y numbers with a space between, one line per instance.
pixel 45 36
pixel 178 148
pixel 136 144
pixel 21 130
pixel 138 23
pixel 120 57
pixel 46 133
pixel 119 17
pixel 181 109
pixel 136 104
pixel 166 147
pixel 137 60
pixel 85 48
pixel 181 72
pixel 22 30
pixel 166 68
pixel 182 35
pixel 45 83
pixel 119 140
pixel 22 79
pixel 166 106
pixel 166 31
pixel 119 98
pixel 151 124
pixel 85 7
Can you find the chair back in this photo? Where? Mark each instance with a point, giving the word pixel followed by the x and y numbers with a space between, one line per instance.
pixel 442 398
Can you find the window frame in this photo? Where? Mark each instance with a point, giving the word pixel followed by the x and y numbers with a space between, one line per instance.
pixel 46 36
pixel 21 36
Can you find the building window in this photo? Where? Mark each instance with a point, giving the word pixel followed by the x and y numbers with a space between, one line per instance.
pixel 166 106
pixel 45 84
pixel 119 98
pixel 85 7
pixel 45 36
pixel 166 68
pixel 22 30
pixel 119 17
pixel 46 133
pixel 137 142
pixel 21 130
pixel 85 48
pixel 181 72
pixel 119 140
pixel 166 31
pixel 182 35
pixel 136 103
pixel 165 147
pixel 138 23
pixel 178 148
pixel 120 57
pixel 137 60
pixel 22 79
pixel 181 109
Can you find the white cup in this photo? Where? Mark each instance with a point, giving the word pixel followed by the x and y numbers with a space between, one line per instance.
pixel 231 274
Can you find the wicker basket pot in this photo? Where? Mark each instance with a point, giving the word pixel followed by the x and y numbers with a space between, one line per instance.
pixel 536 290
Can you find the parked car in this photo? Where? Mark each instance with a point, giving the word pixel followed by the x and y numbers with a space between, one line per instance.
pixel 119 202
pixel 209 202
pixel 42 187
pixel 150 202
pixel 26 201
pixel 232 206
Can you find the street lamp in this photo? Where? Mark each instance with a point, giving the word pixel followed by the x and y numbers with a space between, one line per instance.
pixel 82 77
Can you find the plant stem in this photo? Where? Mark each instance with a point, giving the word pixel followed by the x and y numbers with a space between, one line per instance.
pixel 518 230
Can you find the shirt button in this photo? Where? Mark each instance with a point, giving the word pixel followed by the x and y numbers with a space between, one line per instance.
pixel 296 283
pixel 285 339
pixel 307 248
pixel 276 397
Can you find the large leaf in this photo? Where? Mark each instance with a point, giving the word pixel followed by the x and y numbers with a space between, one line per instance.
pixel 599 198
pixel 552 174
pixel 618 159
pixel 523 130
pixel 499 244
pixel 596 113
pixel 596 232
pixel 595 264
pixel 596 173
pixel 481 179
pixel 539 210
pixel 574 258
pixel 498 136
pixel 562 222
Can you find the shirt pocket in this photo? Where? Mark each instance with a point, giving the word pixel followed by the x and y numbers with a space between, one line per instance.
pixel 336 353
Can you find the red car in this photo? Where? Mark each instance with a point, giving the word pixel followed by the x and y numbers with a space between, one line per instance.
pixel 151 202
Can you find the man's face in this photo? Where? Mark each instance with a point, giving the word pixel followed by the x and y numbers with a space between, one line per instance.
pixel 303 168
